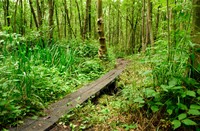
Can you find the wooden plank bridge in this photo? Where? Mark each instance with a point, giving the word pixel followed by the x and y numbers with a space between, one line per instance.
pixel 60 108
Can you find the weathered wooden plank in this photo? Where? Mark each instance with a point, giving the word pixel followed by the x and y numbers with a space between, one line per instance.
pixel 63 106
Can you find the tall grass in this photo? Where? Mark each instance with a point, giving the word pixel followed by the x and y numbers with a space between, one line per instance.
pixel 31 76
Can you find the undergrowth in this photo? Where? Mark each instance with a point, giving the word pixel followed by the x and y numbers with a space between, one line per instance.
pixel 33 75
pixel 157 93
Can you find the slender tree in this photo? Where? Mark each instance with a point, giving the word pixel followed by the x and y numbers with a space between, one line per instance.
pixel 33 13
pixel 39 13
pixel 57 20
pixel 51 23
pixel 15 15
pixel 143 27
pixel 6 6
pixel 79 18
pixel 102 50
pixel 196 39
pixel 87 17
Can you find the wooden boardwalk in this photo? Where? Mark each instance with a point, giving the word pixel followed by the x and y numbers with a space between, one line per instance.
pixel 60 108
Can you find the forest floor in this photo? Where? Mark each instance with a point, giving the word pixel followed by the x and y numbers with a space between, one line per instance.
pixel 114 111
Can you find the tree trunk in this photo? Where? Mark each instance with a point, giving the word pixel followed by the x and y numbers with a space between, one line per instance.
pixel 195 61
pixel 90 20
pixel 65 19
pixel 21 18
pixel 157 22
pixel 57 21
pixel 6 12
pixel 88 3
pixel 102 50
pixel 168 30
pixel 15 13
pixel 79 18
pixel 149 14
pixel 33 13
pixel 68 20
pixel 109 24
pixel 51 12
pixel 39 13
pixel 143 28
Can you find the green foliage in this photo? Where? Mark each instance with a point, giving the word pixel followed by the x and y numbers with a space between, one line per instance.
pixel 172 93
pixel 32 76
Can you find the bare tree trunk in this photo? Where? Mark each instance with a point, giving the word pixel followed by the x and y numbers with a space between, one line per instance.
pixel 79 18
pixel 68 20
pixel 117 23
pixel 39 13
pixel 109 24
pixel 196 39
pixel 51 23
pixel 6 12
pixel 15 13
pixel 90 20
pixel 88 3
pixel 102 50
pixel 21 18
pixel 65 19
pixel 57 21
pixel 143 28
pixel 149 11
pixel 43 8
pixel 168 30
pixel 25 19
pixel 157 22
pixel 31 22
pixel 33 13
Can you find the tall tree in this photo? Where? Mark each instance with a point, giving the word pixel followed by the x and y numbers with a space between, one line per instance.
pixel 79 18
pixel 39 13
pixel 6 12
pixel 33 13
pixel 196 39
pixel 68 20
pixel 57 20
pixel 51 23
pixel 15 15
pixel 102 49
pixel 143 27
pixel 87 18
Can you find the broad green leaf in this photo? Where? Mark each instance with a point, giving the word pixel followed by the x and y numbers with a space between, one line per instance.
pixel 169 111
pixel 198 98
pixel 189 122
pixel 173 82
pixel 150 92
pixel 154 108
pixel 193 106
pixel 177 87
pixel 182 106
pixel 139 100
pixel 165 87
pixel 194 112
pixel 176 124
pixel 182 116
pixel 198 91
pixel 191 93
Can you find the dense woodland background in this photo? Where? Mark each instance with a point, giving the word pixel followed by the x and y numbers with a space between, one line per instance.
pixel 49 48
